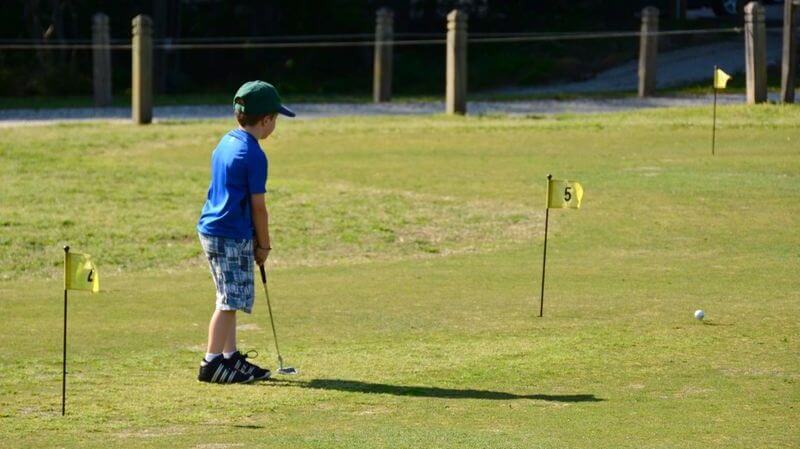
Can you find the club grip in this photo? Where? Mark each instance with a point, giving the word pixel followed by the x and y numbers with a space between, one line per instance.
pixel 263 274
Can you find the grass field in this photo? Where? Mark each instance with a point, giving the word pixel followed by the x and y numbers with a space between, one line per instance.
pixel 405 282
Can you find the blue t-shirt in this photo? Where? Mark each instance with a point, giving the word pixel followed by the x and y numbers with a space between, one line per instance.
pixel 238 170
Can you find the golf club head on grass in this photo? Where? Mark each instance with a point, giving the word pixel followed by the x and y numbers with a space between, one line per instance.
pixel 285 370
pixel 289 371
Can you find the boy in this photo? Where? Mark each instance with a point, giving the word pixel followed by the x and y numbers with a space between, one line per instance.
pixel 234 220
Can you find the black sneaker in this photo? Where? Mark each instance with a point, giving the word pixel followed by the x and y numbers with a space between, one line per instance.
pixel 240 362
pixel 222 371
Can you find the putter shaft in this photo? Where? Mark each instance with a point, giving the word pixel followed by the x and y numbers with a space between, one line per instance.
pixel 281 370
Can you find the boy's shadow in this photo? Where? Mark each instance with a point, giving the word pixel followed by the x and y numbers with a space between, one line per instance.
pixel 356 386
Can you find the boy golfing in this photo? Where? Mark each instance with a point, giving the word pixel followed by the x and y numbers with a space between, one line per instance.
pixel 234 228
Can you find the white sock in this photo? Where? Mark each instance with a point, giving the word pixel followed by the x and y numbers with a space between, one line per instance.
pixel 228 355
pixel 210 357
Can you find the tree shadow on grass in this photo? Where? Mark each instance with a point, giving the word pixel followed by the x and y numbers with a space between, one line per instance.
pixel 356 386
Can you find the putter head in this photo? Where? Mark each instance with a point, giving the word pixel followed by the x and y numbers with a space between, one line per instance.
pixel 287 371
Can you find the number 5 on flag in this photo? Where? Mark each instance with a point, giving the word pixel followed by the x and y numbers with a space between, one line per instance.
pixel 562 194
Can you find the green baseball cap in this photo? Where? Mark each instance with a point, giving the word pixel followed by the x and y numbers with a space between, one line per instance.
pixel 259 97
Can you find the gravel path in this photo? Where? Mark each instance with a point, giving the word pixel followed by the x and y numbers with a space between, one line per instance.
pixel 675 68
pixel 27 117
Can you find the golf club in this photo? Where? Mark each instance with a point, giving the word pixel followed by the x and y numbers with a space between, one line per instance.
pixel 282 370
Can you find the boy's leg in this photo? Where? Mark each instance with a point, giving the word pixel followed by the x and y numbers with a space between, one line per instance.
pixel 215 368
pixel 230 342
pixel 221 329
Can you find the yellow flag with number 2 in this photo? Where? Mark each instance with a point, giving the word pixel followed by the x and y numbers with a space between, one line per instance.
pixel 562 194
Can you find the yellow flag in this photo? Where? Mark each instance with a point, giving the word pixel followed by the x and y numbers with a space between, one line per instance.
pixel 80 273
pixel 721 79
pixel 563 194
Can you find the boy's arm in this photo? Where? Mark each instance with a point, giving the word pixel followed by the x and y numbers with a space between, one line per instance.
pixel 261 226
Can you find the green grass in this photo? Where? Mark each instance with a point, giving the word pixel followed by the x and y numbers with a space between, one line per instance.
pixel 405 281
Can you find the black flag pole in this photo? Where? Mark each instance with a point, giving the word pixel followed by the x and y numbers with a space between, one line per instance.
pixel 714 119
pixel 64 357
pixel 544 253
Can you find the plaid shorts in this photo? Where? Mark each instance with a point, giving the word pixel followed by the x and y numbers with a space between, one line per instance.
pixel 231 263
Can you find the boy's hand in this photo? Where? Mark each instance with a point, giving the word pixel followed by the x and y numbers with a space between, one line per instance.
pixel 261 254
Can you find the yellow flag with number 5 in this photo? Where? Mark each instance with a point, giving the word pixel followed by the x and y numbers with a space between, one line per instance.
pixel 80 273
pixel 562 194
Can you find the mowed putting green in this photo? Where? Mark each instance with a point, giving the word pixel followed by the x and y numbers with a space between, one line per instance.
pixel 405 283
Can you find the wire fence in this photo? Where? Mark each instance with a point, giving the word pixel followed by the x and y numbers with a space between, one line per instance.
pixel 289 62
pixel 344 40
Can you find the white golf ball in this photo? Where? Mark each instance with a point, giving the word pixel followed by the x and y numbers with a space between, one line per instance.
pixel 699 314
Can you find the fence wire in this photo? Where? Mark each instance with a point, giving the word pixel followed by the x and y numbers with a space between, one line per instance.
pixel 338 40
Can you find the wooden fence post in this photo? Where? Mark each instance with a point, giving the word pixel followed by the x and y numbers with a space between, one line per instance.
pixel 755 43
pixel 382 65
pixel 101 60
pixel 142 64
pixel 648 52
pixel 789 57
pixel 456 90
